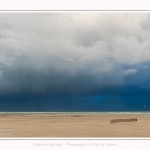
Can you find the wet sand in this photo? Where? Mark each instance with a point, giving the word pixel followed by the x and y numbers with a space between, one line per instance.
pixel 73 125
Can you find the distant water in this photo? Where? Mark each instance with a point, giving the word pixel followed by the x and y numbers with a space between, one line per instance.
pixel 46 104
pixel 119 113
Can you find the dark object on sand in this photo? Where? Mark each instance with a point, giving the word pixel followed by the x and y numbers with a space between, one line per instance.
pixel 123 120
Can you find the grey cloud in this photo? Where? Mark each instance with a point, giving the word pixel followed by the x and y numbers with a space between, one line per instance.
pixel 49 77
pixel 130 71
pixel 69 52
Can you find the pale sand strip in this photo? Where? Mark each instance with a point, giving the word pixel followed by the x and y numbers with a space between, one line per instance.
pixel 73 125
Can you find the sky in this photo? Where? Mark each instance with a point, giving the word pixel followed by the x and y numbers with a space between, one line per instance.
pixel 75 61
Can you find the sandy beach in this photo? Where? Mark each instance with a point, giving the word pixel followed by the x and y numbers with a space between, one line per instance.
pixel 73 125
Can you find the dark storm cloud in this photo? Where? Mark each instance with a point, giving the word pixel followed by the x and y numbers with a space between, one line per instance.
pixel 73 54
pixel 52 78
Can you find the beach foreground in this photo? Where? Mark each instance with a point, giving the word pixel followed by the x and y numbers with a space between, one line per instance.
pixel 73 125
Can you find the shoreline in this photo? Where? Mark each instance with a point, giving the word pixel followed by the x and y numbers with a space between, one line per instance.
pixel 95 113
